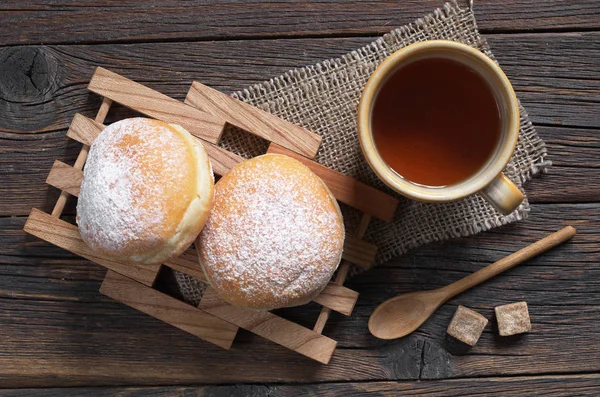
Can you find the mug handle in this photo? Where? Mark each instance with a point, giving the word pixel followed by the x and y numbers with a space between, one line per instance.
pixel 503 194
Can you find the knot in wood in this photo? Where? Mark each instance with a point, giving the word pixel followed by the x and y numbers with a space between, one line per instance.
pixel 27 74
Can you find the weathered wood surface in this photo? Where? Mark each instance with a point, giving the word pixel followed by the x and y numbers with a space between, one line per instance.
pixel 44 21
pixel 555 75
pixel 547 386
pixel 58 330
pixel 50 309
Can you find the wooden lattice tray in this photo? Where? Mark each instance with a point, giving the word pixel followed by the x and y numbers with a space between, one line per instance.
pixel 205 114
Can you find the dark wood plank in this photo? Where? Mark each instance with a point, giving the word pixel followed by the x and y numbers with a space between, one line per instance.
pixel 551 69
pixel 575 173
pixel 580 385
pixel 50 309
pixel 44 21
pixel 556 76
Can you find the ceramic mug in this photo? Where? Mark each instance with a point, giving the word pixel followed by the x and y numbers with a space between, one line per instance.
pixel 489 181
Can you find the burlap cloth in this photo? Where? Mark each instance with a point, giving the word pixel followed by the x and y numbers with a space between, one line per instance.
pixel 324 97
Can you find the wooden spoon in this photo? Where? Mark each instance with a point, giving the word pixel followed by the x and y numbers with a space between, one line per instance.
pixel 401 315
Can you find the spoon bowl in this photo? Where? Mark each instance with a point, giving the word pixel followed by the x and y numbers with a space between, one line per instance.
pixel 403 314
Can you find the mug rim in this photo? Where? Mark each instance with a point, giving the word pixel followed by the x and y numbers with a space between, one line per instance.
pixel 414 190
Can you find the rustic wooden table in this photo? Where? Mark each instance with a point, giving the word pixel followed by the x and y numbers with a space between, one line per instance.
pixel 57 331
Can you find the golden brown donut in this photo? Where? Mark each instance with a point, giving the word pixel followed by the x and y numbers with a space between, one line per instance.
pixel 275 234
pixel 146 193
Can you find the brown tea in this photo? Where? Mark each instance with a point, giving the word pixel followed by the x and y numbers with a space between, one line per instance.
pixel 435 122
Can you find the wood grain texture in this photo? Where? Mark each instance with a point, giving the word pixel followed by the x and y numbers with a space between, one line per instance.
pixel 551 386
pixel 154 104
pixel 49 305
pixel 32 22
pixel 337 298
pixel 66 236
pixel 554 74
pixel 168 309
pixel 253 120
pixel 272 327
pixel 65 177
pixel 84 130
pixel 347 190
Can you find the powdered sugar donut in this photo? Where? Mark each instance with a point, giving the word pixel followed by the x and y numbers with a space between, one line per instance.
pixel 275 234
pixel 146 192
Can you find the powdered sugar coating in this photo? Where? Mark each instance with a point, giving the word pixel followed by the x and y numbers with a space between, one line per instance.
pixel 274 236
pixel 138 182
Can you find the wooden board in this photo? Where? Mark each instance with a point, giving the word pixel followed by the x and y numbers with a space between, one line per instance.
pixel 256 121
pixel 132 21
pixel 552 73
pixel 573 153
pixel 580 385
pixel 154 104
pixel 66 236
pixel 168 309
pixel 274 328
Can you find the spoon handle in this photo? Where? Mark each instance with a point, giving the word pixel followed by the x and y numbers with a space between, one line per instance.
pixel 509 262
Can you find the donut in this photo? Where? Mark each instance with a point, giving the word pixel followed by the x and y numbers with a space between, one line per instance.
pixel 274 237
pixel 146 193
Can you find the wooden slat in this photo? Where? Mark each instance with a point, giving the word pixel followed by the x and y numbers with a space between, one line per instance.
pixel 168 309
pixel 85 130
pixel 220 159
pixel 271 327
pixel 65 177
pixel 342 273
pixel 66 236
pixel 348 190
pixel 338 298
pixel 59 206
pixel 359 252
pixel 154 104
pixel 254 120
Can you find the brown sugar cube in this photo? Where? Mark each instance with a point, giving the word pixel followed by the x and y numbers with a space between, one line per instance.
pixel 467 325
pixel 513 319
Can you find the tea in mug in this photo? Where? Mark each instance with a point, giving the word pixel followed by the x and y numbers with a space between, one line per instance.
pixel 435 122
